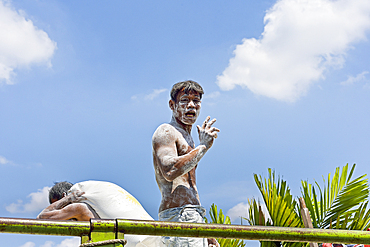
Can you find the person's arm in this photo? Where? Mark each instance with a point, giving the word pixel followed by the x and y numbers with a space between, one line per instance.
pixel 75 196
pixel 212 242
pixel 78 211
pixel 67 208
pixel 165 148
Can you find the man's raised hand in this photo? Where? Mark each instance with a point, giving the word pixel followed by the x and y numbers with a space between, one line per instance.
pixel 207 133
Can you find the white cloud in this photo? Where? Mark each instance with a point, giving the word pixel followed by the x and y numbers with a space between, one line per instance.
pixel 28 244
pixel 301 40
pixel 39 200
pixel 351 80
pixel 4 161
pixel 212 95
pixel 48 244
pixel 151 96
pixel 68 242
pixel 21 43
pixel 154 94
pixel 239 210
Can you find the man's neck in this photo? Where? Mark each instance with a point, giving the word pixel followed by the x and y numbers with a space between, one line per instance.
pixel 176 123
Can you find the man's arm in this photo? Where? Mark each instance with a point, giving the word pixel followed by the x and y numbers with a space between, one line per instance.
pixel 212 242
pixel 165 148
pixel 67 208
pixel 78 211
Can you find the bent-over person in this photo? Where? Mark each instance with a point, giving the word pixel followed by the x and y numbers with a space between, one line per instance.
pixel 97 199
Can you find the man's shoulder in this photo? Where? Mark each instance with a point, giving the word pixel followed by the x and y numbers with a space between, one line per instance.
pixel 165 128
pixel 165 132
pixel 77 207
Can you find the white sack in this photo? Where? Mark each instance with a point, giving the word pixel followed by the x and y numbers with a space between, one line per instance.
pixel 113 202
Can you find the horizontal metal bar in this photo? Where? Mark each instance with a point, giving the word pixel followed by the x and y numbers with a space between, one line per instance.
pixel 264 233
pixel 161 228
pixel 44 227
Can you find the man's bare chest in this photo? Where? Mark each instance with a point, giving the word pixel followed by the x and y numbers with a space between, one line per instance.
pixel 184 144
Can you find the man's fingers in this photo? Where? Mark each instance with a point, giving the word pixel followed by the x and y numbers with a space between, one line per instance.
pixel 210 123
pixel 204 125
pixel 214 129
pixel 207 126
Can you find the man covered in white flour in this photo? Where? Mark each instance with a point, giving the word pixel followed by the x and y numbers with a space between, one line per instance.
pixel 176 158
pixel 97 199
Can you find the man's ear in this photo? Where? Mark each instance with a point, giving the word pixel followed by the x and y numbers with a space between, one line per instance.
pixel 171 103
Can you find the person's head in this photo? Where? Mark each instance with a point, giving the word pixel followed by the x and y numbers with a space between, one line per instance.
pixel 58 191
pixel 186 86
pixel 185 102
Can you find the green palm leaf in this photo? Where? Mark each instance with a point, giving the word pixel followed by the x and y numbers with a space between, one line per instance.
pixel 361 218
pixel 256 217
pixel 279 202
pixel 337 203
pixel 217 217
pixel 281 206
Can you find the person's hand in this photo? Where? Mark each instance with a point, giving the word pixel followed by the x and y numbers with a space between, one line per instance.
pixel 76 196
pixel 212 242
pixel 207 133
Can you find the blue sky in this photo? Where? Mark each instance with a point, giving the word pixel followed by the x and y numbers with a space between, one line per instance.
pixel 84 84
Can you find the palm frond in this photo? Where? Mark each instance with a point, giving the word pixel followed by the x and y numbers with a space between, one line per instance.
pixel 256 217
pixel 281 205
pixel 337 201
pixel 279 202
pixel 217 217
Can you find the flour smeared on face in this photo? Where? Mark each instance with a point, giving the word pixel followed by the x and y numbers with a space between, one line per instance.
pixel 186 108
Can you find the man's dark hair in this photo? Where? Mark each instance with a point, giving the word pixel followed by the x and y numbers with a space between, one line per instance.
pixel 56 192
pixel 187 86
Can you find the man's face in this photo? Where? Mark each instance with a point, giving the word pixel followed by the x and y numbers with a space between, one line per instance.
pixel 187 107
pixel 53 200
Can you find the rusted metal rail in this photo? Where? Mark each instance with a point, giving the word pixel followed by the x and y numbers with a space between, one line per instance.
pixel 44 227
pixel 97 230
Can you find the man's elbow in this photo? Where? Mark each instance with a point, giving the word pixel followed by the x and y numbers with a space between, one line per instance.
pixel 45 215
pixel 169 176
pixel 40 216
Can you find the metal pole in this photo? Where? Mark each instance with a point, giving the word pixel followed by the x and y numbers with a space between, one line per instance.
pixel 44 227
pixel 160 228
pixel 263 233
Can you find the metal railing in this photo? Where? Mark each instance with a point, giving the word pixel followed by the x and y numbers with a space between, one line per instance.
pixel 99 229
